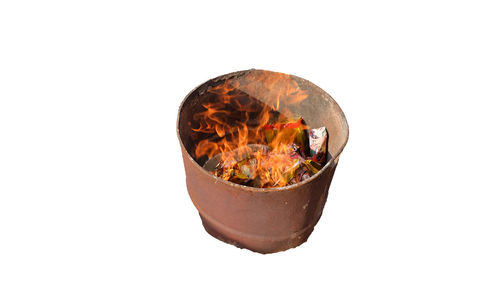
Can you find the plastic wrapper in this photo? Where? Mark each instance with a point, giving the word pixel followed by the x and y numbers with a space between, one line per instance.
pixel 317 144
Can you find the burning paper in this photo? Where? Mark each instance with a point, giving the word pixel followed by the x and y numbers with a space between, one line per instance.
pixel 265 166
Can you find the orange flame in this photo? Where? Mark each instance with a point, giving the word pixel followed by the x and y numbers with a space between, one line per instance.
pixel 240 112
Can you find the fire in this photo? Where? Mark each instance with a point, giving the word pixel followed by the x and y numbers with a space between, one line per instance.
pixel 244 111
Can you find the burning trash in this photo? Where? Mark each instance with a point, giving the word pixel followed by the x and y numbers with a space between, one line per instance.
pixel 255 142
pixel 275 164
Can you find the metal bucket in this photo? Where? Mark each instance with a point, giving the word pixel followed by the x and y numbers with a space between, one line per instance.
pixel 264 220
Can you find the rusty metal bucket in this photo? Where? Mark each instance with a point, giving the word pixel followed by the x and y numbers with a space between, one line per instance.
pixel 265 220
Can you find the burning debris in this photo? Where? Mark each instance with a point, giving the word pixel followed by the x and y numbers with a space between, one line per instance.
pixel 275 164
pixel 253 141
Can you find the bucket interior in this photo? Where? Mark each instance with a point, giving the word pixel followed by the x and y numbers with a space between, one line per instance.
pixel 252 92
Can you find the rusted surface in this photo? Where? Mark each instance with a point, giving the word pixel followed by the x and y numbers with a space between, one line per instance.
pixel 264 220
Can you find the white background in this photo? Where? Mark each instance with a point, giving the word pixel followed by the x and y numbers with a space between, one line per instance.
pixel 92 186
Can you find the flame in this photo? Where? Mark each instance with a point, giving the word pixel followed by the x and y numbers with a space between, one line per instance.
pixel 239 112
